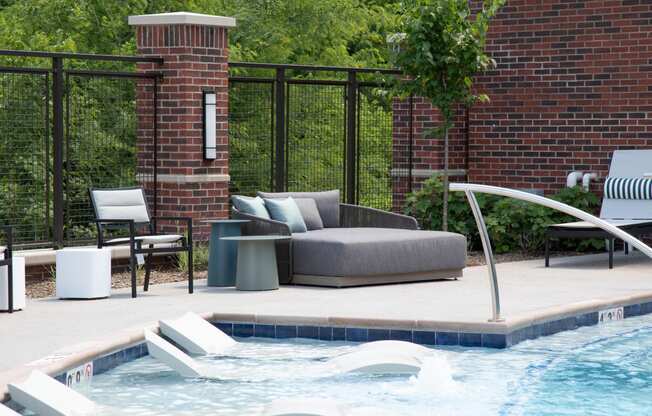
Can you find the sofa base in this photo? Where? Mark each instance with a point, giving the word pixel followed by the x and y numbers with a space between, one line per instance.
pixel 352 281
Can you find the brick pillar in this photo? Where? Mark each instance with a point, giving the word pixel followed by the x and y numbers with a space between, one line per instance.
pixel 194 49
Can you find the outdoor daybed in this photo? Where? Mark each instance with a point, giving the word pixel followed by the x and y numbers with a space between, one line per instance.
pixel 350 245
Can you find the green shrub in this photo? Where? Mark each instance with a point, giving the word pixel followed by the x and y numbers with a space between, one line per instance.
pixel 199 258
pixel 512 224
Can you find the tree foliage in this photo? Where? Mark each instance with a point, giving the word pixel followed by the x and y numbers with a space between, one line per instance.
pixel 439 51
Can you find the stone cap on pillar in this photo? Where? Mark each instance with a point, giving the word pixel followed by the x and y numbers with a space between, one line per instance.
pixel 181 18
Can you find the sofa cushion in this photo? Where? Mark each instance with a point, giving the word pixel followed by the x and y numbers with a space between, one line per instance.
pixel 287 211
pixel 310 213
pixel 371 251
pixel 252 206
pixel 328 203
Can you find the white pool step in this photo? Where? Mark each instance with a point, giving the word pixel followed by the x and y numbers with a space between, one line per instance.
pixel 45 396
pixel 381 357
pixel 172 356
pixel 196 335
pixel 5 411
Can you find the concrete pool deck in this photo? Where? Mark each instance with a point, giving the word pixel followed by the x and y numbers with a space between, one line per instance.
pixel 54 334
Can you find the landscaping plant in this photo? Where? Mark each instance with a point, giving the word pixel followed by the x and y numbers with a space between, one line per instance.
pixel 440 50
pixel 512 224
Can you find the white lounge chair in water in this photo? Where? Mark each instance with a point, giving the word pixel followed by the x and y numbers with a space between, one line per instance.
pixel 303 407
pixel 173 357
pixel 45 396
pixel 5 411
pixel 382 357
pixel 196 335
pixel 396 346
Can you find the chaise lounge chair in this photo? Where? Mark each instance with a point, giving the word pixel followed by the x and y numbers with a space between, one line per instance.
pixel 358 246
pixel 627 202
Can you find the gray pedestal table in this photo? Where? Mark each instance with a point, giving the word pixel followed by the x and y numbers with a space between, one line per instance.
pixel 256 268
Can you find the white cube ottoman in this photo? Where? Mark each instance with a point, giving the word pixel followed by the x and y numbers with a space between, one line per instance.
pixel 18 264
pixel 83 273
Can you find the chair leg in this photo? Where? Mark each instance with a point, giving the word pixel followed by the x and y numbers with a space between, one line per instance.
pixel 10 287
pixel 547 251
pixel 190 271
pixel 611 253
pixel 132 267
pixel 148 268
pixel 626 248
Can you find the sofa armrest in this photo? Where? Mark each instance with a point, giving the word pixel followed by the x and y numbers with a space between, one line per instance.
pixel 260 226
pixel 357 216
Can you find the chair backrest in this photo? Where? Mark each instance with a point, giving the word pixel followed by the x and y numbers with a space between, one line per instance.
pixel 120 204
pixel 628 164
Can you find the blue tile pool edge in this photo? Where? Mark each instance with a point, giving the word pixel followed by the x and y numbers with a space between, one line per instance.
pixel 113 359
pixel 421 336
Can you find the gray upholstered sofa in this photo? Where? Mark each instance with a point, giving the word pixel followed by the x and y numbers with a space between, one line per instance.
pixel 359 246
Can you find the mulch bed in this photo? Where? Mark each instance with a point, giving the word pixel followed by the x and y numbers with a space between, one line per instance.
pixel 41 288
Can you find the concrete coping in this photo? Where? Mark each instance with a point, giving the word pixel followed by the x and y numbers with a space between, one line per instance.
pixel 181 18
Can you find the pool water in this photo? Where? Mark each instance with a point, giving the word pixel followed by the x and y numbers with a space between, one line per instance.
pixel 599 370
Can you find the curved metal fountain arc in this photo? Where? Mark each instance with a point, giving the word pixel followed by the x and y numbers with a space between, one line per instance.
pixel 470 188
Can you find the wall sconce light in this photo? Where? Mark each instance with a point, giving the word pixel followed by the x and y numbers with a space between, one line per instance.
pixel 210 140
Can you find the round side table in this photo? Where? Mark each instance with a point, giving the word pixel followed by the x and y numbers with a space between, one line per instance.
pixel 257 268
pixel 222 255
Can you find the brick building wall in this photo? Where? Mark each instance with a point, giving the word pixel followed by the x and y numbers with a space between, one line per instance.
pixel 573 83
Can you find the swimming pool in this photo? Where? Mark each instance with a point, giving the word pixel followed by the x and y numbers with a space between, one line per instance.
pixel 598 370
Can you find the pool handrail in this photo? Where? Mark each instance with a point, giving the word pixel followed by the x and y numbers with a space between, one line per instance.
pixel 470 188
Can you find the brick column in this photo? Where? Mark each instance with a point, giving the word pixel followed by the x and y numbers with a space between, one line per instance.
pixel 194 49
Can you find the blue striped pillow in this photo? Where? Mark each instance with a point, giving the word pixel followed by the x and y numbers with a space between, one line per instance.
pixel 628 188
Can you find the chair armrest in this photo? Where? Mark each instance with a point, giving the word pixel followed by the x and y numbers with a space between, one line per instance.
pixel 261 226
pixel 187 220
pixel 357 216
pixel 109 221
pixel 168 218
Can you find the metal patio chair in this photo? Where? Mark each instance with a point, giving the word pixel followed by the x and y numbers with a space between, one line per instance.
pixel 8 261
pixel 126 208
pixel 627 203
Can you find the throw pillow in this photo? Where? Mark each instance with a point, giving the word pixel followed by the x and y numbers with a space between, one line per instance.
pixel 328 203
pixel 310 213
pixel 287 211
pixel 252 206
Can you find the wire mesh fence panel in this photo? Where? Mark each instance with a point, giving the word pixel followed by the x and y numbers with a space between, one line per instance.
pixel 251 136
pixel 374 148
pixel 101 146
pixel 316 137
pixel 24 156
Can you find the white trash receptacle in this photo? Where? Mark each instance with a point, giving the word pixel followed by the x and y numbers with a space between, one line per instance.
pixel 18 264
pixel 83 273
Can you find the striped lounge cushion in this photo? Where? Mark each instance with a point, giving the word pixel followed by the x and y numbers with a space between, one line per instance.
pixel 628 188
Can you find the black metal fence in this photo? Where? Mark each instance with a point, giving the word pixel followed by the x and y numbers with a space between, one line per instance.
pixel 306 128
pixel 62 130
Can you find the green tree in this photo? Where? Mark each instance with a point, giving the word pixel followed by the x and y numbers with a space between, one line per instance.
pixel 440 49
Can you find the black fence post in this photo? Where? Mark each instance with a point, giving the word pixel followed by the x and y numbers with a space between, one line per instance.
pixel 351 118
pixel 279 105
pixel 58 144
